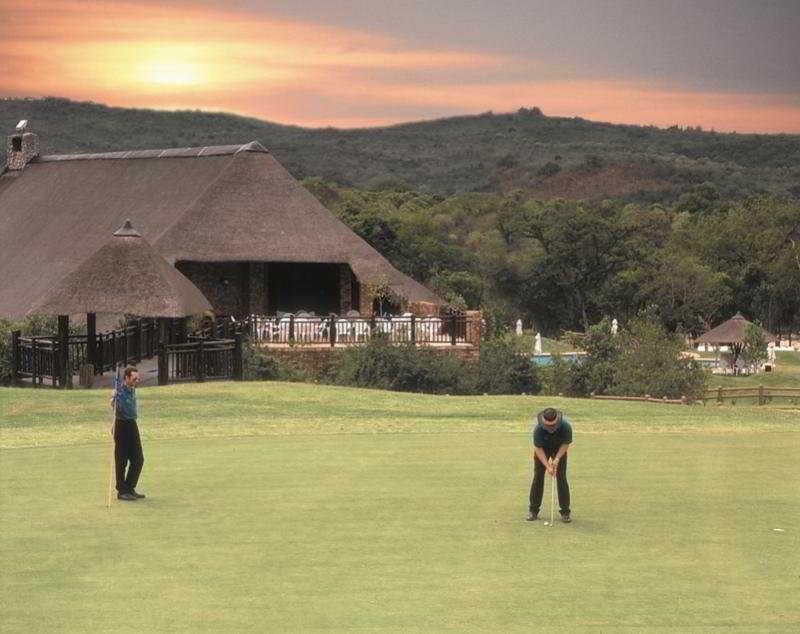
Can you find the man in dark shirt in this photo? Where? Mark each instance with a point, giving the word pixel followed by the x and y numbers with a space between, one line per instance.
pixel 552 437
pixel 127 444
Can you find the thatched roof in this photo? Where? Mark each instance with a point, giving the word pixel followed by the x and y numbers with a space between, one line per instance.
pixel 225 203
pixel 729 332
pixel 126 275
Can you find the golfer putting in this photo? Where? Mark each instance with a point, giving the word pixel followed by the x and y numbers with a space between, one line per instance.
pixel 552 437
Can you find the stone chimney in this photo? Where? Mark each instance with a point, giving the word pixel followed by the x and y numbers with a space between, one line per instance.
pixel 22 146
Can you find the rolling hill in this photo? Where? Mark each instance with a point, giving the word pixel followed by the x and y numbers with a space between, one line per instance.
pixel 546 157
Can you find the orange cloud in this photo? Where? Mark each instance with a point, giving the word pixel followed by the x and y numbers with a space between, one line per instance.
pixel 128 54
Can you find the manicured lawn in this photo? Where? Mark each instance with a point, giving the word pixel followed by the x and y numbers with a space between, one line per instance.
pixel 285 507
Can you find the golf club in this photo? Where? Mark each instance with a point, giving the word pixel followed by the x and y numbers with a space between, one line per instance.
pixel 552 498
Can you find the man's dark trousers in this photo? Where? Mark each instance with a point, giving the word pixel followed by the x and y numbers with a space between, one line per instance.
pixel 537 486
pixel 127 448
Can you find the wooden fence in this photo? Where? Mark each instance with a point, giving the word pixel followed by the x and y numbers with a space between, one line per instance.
pixel 646 399
pixel 760 393
pixel 49 360
pixel 201 360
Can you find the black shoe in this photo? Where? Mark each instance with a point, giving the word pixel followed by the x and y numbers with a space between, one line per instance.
pixel 138 496
pixel 532 517
pixel 566 518
pixel 128 497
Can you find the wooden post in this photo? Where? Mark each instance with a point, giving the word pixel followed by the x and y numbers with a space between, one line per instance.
pixel 413 329
pixel 162 331
pixel 200 366
pixel 113 358
pixel 453 329
pixel 372 326
pixel 163 365
pixel 140 354
pixel 719 395
pixel 332 330
pixel 91 340
pixel 65 374
pixel 15 335
pixel 761 399
pixel 126 342
pixel 291 328
pixel 238 369
pixel 35 363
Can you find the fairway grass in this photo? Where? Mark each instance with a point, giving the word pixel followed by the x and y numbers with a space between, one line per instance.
pixel 287 507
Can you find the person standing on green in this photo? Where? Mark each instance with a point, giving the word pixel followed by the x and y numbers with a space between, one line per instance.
pixel 552 438
pixel 127 443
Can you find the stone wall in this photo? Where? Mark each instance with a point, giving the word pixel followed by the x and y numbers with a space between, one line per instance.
pixel 233 288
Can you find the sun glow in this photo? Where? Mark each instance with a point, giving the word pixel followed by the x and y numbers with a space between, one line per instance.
pixel 171 72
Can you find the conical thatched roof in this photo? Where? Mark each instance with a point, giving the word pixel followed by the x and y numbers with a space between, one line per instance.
pixel 729 332
pixel 125 276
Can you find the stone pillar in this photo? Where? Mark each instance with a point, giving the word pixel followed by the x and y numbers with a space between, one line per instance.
pixel 346 289
pixel 474 327
pixel 365 299
pixel 21 148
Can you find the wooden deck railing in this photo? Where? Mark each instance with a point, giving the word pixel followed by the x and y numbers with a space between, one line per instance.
pixel 448 330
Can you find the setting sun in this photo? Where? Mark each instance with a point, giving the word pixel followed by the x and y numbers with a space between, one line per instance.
pixel 172 72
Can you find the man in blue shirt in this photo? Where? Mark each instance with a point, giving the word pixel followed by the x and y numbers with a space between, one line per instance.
pixel 127 444
pixel 552 438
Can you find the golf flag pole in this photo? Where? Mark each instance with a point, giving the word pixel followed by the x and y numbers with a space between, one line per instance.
pixel 111 469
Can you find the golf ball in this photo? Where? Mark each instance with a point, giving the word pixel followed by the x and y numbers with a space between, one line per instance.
pixel 547 523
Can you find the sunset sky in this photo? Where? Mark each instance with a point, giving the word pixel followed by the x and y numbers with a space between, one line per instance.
pixel 721 64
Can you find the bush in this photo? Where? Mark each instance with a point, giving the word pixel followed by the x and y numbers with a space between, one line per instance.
pixel 505 370
pixel 405 368
pixel 651 363
pixel 549 169
pixel 562 377
pixel 6 328
pixel 259 365
pixel 597 372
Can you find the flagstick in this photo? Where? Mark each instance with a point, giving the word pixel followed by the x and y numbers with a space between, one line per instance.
pixel 112 470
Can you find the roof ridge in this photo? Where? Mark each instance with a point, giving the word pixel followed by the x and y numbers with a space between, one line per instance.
pixel 184 152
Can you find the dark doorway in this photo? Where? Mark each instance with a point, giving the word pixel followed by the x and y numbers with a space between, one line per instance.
pixel 310 287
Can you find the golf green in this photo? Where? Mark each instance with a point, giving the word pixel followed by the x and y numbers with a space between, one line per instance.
pixel 360 510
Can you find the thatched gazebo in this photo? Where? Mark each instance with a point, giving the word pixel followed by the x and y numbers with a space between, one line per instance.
pixel 126 276
pixel 730 333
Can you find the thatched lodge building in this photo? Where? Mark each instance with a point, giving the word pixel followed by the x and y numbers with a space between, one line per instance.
pixel 230 218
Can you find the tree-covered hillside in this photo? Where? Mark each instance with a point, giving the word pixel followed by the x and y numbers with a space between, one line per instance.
pixel 544 156
pixel 563 264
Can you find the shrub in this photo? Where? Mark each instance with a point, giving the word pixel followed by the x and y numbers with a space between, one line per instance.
pixel 562 377
pixel 651 363
pixel 6 328
pixel 603 351
pixel 549 169
pixel 405 368
pixel 505 370
pixel 259 365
